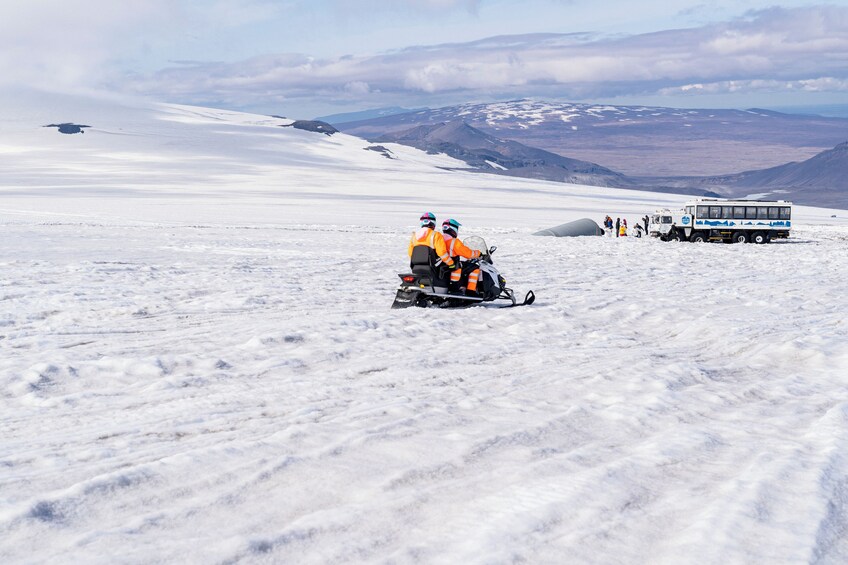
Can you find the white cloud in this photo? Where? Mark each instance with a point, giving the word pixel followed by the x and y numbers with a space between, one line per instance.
pixel 822 84
pixel 78 41
pixel 425 5
pixel 443 4
pixel 64 43
pixel 357 87
pixel 50 41
pixel 785 46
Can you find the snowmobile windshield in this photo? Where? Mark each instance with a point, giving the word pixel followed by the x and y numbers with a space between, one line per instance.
pixel 475 242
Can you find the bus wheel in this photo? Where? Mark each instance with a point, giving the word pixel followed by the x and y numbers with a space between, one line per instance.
pixel 758 237
pixel 698 237
pixel 739 237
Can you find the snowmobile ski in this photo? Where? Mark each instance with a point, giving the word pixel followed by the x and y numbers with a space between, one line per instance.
pixel 427 285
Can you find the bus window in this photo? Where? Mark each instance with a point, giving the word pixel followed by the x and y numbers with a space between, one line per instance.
pixel 772 212
pixel 666 219
pixel 738 212
pixel 785 212
pixel 750 212
pixel 727 212
pixel 690 210
pixel 703 212
pixel 715 212
pixel 762 213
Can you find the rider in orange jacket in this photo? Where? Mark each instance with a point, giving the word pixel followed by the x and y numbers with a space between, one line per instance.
pixel 457 249
pixel 427 235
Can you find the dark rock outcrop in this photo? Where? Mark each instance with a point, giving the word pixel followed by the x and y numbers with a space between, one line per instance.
pixel 384 151
pixel 68 127
pixel 313 125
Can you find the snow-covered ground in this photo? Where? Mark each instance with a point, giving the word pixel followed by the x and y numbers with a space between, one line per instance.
pixel 198 362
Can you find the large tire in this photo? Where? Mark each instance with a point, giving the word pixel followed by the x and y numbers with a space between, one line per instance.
pixel 759 238
pixel 674 235
pixel 698 237
pixel 739 237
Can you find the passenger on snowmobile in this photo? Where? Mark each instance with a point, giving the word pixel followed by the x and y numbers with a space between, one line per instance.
pixel 427 236
pixel 425 286
pixel 457 250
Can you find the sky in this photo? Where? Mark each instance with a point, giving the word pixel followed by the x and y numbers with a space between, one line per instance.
pixel 308 58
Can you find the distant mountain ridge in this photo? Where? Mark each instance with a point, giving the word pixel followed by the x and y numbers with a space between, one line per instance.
pixel 829 168
pixel 637 140
pixel 821 180
pixel 363 115
pixel 652 148
pixel 490 154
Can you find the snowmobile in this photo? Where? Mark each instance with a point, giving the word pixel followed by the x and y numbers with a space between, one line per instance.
pixel 427 284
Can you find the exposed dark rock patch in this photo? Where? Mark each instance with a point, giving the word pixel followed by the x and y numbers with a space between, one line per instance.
pixel 314 125
pixel 68 127
pixel 384 151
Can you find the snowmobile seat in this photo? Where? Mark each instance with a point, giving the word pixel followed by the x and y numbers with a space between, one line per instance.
pixel 423 263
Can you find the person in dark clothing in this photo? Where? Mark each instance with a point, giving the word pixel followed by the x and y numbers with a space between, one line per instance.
pixel 617 226
pixel 646 219
pixel 608 224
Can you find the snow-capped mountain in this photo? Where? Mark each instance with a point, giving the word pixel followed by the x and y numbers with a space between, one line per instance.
pixel 487 153
pixel 638 140
pixel 659 148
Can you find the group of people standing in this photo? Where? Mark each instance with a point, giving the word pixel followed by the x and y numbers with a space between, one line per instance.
pixel 449 251
pixel 619 228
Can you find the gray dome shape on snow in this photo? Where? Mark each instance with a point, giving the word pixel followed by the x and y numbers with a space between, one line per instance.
pixel 583 226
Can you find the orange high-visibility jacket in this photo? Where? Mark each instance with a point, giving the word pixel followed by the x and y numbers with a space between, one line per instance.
pixel 456 248
pixel 432 239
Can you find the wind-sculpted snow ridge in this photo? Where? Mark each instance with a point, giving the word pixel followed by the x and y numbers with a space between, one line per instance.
pixel 198 363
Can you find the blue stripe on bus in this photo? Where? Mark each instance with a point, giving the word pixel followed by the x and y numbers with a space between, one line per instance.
pixel 730 223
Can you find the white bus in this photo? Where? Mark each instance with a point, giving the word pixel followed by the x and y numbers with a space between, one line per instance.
pixel 733 221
